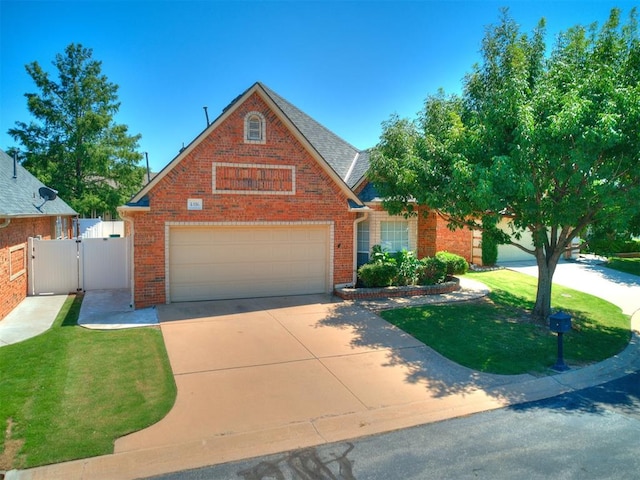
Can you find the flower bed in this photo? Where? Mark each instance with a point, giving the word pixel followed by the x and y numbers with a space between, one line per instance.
pixel 452 284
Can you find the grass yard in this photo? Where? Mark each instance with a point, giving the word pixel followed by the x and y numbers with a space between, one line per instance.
pixel 70 392
pixel 628 265
pixel 496 334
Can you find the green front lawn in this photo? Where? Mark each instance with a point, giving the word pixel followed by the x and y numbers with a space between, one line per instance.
pixel 628 265
pixel 496 334
pixel 70 392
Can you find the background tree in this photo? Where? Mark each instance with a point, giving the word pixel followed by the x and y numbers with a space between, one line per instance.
pixel 74 146
pixel 551 141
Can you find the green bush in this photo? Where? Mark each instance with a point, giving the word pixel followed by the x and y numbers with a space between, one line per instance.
pixel 489 245
pixel 385 269
pixel 378 274
pixel 606 242
pixel 630 246
pixel 431 271
pixel 407 263
pixel 456 265
pixel 379 255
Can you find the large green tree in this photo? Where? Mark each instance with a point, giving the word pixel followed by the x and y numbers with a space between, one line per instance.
pixel 74 145
pixel 548 139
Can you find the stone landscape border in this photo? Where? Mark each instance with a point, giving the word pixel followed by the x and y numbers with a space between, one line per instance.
pixel 349 293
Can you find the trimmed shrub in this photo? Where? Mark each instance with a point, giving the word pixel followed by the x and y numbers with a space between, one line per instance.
pixel 431 271
pixel 377 274
pixel 489 245
pixel 456 265
pixel 607 242
pixel 630 246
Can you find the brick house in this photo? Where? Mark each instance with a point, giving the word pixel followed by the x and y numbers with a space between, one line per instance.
pixel 24 214
pixel 264 202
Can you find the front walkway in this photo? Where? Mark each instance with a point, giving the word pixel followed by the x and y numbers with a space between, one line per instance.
pixel 33 316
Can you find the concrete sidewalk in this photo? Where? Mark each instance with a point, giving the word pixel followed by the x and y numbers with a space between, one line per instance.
pixel 100 310
pixel 33 316
pixel 298 372
pixel 111 310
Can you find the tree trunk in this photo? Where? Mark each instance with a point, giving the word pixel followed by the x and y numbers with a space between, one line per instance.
pixel 546 268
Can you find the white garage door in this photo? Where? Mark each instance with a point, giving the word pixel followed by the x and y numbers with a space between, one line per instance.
pixel 211 263
pixel 509 253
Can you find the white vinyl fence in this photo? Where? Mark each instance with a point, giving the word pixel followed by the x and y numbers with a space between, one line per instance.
pixel 65 266
pixel 96 228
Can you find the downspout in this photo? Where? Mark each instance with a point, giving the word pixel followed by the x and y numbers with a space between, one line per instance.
pixel 355 245
pixel 129 220
pixel 5 223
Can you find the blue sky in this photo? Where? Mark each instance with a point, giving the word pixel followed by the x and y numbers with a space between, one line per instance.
pixel 348 64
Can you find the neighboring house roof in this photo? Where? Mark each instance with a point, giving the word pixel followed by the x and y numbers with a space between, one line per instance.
pixel 346 162
pixel 19 193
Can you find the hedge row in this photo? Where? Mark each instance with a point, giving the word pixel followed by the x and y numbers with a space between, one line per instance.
pixel 386 269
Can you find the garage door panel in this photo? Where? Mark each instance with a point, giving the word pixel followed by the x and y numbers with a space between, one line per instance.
pixel 207 263
pixel 195 237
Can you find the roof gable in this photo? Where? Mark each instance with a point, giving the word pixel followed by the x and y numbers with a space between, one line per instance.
pixel 336 156
pixel 338 153
pixel 20 197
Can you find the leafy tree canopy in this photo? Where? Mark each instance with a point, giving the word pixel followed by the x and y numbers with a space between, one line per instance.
pixel 549 139
pixel 74 145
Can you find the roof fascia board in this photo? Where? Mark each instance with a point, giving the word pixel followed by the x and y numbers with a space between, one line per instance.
pixel 129 208
pixel 360 182
pixel 37 215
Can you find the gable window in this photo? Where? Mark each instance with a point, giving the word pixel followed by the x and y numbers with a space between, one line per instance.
pixel 394 235
pixel 254 128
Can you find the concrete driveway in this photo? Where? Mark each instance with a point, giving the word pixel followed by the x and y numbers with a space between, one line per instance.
pixel 262 375
pixel 589 275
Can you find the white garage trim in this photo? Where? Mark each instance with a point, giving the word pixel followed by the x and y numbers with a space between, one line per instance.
pixel 170 225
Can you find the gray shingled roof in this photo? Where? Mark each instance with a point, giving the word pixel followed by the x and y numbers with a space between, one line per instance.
pixel 19 196
pixel 349 163
pixel 359 168
pixel 345 159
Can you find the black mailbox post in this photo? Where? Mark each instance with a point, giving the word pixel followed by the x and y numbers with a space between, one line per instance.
pixel 560 323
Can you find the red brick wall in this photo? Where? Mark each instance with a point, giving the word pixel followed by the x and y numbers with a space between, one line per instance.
pixel 427 246
pixel 14 290
pixel 317 197
pixel 434 236
pixel 459 241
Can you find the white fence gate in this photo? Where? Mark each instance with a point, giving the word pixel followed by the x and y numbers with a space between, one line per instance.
pixel 64 266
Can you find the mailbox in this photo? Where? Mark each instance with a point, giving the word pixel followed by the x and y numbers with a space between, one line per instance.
pixel 560 322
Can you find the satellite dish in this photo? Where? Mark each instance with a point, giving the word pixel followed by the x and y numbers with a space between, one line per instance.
pixel 47 194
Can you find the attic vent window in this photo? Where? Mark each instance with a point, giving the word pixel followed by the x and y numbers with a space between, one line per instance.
pixel 254 128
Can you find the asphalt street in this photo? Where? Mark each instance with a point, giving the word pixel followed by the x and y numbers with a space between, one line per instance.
pixel 587 434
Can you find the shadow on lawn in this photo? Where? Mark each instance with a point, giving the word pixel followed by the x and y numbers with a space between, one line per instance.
pixel 71 316
pixel 440 376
